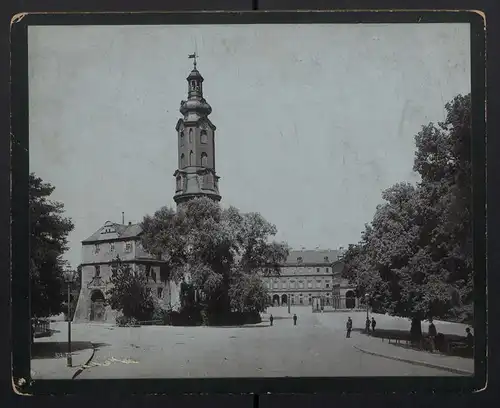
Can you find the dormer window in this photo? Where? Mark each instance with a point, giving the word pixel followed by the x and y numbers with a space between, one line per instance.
pixel 299 259
pixel 326 259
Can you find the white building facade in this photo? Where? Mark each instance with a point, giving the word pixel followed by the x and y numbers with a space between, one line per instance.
pixel 309 274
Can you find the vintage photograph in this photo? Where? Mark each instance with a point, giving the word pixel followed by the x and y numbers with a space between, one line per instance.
pixel 256 200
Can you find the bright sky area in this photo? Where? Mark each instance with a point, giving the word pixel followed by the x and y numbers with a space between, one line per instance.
pixel 313 121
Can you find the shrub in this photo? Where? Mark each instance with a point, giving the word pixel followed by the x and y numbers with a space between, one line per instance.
pixel 162 315
pixel 124 321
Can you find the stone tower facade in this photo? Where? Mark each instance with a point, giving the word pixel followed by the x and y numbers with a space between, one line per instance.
pixel 195 175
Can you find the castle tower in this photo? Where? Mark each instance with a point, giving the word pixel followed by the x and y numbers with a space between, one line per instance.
pixel 195 175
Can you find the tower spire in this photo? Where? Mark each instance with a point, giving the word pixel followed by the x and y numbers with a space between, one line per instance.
pixel 193 56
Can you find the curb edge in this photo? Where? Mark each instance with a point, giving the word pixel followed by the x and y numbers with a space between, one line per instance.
pixel 416 362
pixel 80 370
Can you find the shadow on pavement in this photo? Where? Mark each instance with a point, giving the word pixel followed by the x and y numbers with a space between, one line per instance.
pixel 55 349
pixel 257 326
pixel 446 344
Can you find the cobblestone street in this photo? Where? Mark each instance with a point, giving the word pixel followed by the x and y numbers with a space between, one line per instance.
pixel 315 347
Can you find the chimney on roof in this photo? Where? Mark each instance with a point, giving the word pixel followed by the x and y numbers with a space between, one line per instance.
pixel 123 217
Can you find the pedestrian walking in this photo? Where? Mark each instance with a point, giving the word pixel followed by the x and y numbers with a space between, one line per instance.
pixel 469 339
pixel 367 325
pixel 349 327
pixel 374 323
pixel 271 318
pixel 294 319
pixel 432 333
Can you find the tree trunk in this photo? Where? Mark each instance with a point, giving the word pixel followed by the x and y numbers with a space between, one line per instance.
pixel 416 330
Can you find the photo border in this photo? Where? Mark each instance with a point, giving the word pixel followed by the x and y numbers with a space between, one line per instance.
pixel 20 209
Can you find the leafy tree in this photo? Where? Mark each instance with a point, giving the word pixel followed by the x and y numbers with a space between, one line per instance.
pixel 218 251
pixel 48 242
pixel 129 293
pixel 248 293
pixel 415 257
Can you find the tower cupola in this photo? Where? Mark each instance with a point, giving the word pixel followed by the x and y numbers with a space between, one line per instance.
pixel 196 174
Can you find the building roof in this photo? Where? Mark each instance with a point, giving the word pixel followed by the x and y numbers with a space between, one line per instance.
pixel 311 256
pixel 111 231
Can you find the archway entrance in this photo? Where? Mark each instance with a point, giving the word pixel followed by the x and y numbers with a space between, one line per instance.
pixel 276 300
pixel 97 307
pixel 350 300
pixel 284 300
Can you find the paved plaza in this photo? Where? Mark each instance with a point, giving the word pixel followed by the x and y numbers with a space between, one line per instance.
pixel 315 347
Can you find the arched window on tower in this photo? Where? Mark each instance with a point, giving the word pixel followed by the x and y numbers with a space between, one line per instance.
pixel 182 138
pixel 183 161
pixel 204 159
pixel 179 183
pixel 190 135
pixel 203 136
pixel 191 158
pixel 193 85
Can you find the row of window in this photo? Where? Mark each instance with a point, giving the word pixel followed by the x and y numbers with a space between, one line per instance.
pixel 203 137
pixel 203 157
pixel 292 284
pixel 149 271
pixel 293 299
pixel 127 247
pixel 304 270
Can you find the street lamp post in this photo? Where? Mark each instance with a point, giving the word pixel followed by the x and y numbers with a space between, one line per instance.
pixel 289 300
pixel 69 277
pixel 367 297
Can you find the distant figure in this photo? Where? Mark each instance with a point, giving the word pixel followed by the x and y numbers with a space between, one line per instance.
pixel 349 327
pixel 271 318
pixel 432 335
pixel 469 338
pixel 294 319
pixel 374 323
pixel 367 325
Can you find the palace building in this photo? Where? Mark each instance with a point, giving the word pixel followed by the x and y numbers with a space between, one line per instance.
pixel 311 274
pixel 305 275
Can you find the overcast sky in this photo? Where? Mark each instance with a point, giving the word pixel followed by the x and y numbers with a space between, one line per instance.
pixel 313 121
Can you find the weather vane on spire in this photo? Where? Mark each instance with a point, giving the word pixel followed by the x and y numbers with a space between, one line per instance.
pixel 194 56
